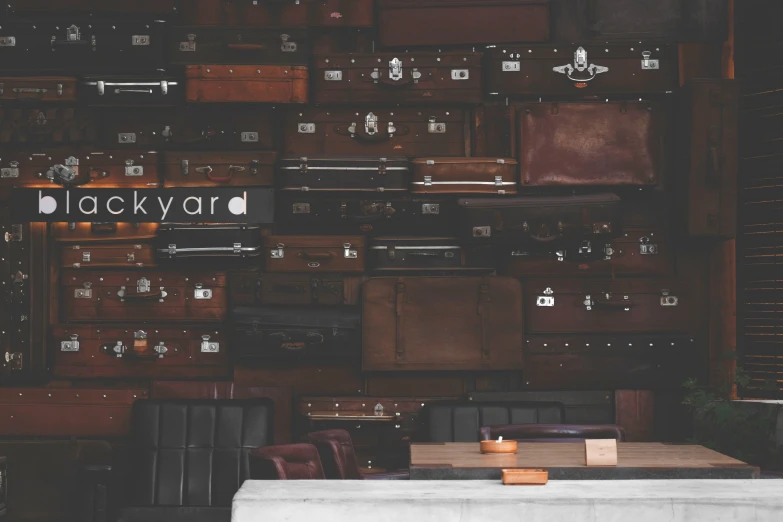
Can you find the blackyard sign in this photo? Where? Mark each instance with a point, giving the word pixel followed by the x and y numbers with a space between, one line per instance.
pixel 178 205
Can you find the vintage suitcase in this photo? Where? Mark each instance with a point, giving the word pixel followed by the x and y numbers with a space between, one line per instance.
pixel 52 125
pixel 387 132
pixel 200 45
pixel 582 70
pixel 246 83
pixel 199 127
pixel 83 167
pixel 403 23
pixel 38 88
pixel 329 40
pixel 428 253
pixel 418 77
pixel 250 288
pixel 307 213
pixel 138 351
pixel 606 306
pixel 107 255
pixel 351 173
pixel 99 7
pixel 314 253
pixel 259 333
pixel 79 44
pixel 464 176
pixel 326 13
pixel 103 232
pixel 709 143
pixel 442 323
pixel 626 143
pixel 183 240
pixel 142 295
pixel 107 90
pixel 539 222
pixel 216 169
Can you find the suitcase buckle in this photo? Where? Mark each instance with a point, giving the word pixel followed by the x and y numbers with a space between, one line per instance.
pixel 190 45
pixel 249 137
pixel 309 128
pixel 460 74
pixel 140 39
pixel 430 209
pixel 348 253
pixel 395 69
pixel 70 346
pixel 581 65
pixel 646 247
pixel 73 34
pixel 647 63
pixel 126 137
pixel 64 173
pixel 12 171
pixel 209 347
pixel 333 76
pixel 130 170
pixel 143 285
pixel 433 127
pixel 278 253
pixel 669 300
pixel 202 293
pixel 286 46
pixel 548 299
pixel 83 293
pixel 482 231
pixel 370 124
pixel 160 349
pixel 7 41
pixel 511 66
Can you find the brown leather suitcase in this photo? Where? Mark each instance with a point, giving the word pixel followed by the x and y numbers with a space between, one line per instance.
pixel 604 306
pixel 107 255
pixel 246 83
pixel 38 88
pixel 464 176
pixel 248 288
pixel 333 173
pixel 89 232
pixel 625 145
pixel 23 125
pixel 317 13
pixel 709 144
pixel 216 169
pixel 159 7
pixel 395 131
pixel 314 253
pixel 417 77
pixel 328 40
pixel 138 351
pixel 431 255
pixel 582 70
pixel 403 23
pixel 142 295
pixel 442 323
pixel 200 45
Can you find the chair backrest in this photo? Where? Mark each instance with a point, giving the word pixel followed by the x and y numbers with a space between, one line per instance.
pixel 553 432
pixel 461 421
pixel 286 462
pixel 195 452
pixel 338 457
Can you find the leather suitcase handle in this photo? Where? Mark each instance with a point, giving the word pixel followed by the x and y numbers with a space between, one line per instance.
pixel 139 298
pixel 613 305
pixel 220 179
pixel 316 256
pixel 548 239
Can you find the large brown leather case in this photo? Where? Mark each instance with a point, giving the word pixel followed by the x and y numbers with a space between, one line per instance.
pixel 464 176
pixel 709 154
pixel 333 173
pixel 417 77
pixel 246 83
pixel 403 23
pixel 249 288
pixel 38 88
pixel 442 323
pixel 92 232
pixel 142 295
pixel 198 45
pixel 159 7
pixel 624 144
pixel 387 131
pixel 317 13
pixel 603 306
pixel 314 253
pixel 107 255
pixel 138 351
pixel 218 169
pixel 582 70
pixel 43 126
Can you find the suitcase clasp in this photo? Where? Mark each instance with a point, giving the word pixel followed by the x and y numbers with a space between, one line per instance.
pixel 460 74
pixel 143 285
pixel 64 173
pixel 161 349
pixel 14 360
pixel 130 170
pixel 370 124
pixel 430 209
pixel 348 253
pixel 279 252
pixel 12 171
pixel 548 299
pixel 309 128
pixel 333 76
pixel 190 45
pixel 395 69
pixel 647 63
pixel 669 300
pixel 209 347
pixel 301 208
pixel 482 231
pixel 73 34
pixel 286 46
pixel 581 65
pixel 249 137
pixel 433 127
pixel 202 293
pixel 15 234
pixel 427 181
pixel 7 41
pixel 646 247
pixel 86 257
pixel 184 167
pixel 83 293
pixel 140 39
pixel 126 137
pixel 70 346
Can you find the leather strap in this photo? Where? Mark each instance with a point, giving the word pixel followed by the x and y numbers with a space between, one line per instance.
pixel 483 311
pixel 399 288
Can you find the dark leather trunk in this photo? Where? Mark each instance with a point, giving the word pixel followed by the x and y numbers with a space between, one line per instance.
pixel 306 213
pixel 92 232
pixel 464 176
pixel 378 132
pixel 317 13
pixel 246 83
pixel 107 255
pixel 159 7
pixel 138 351
pixel 418 77
pixel 405 23
pixel 582 70
pixel 625 145
pixel 54 125
pixel 249 288
pixel 296 333
pixel 38 88
pixel 442 323
pixel 219 169
pixel 314 253
pixel 106 90
pixel 358 173
pixel 428 254
pixel 142 295
pixel 200 45
pixel 604 306
pixel 182 240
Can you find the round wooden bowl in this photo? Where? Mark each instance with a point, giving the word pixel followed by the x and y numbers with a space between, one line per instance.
pixel 493 446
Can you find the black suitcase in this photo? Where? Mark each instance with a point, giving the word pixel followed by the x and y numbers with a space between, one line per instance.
pixel 352 173
pixel 200 45
pixel 82 44
pixel 296 332
pixel 373 215
pixel 132 90
pixel 428 253
pixel 181 240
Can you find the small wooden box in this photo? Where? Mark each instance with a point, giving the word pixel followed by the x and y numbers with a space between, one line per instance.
pixel 600 452
pixel 521 477
pixel 493 446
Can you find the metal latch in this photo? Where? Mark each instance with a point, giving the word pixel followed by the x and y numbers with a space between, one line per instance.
pixel 15 234
pixel 371 124
pixel 668 300
pixel 190 45
pixel 395 69
pixel 126 137
pixel 333 76
pixel 12 171
pixel 166 132
pixel 67 172
pixel 498 181
pixel 581 65
pixel 118 349
pixel 278 253
pixel 70 346
pixel 19 277
pixel 646 247
pixel 237 248
pixel 430 209
pixel 249 137
pixel 585 248
pixel 85 257
pixel 184 167
pixel 378 409
pixel 511 66
pixel 436 128
pixel 164 87
pixel 14 360
pixel 306 128
pixel 548 299
pixel 202 293
pixel 140 39
pixel 143 285
pixel 482 231
pixel 348 253
pixel 160 349
pixel 209 347
pixel 83 293
pixel 287 47
pixel 460 74
pixel 647 63
pixel 131 170
pixel 301 208
pixel 7 41
pixel 427 181
pixel 73 34
pixel 172 249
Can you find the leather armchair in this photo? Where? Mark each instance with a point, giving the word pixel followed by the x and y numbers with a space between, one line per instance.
pixel 338 457
pixel 187 459
pixel 286 462
pixel 553 432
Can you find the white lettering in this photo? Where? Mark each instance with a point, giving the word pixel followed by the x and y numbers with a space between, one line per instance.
pixel 94 205
pixel 215 198
pixel 67 201
pixel 137 205
pixel 185 205
pixel 108 205
pixel 166 208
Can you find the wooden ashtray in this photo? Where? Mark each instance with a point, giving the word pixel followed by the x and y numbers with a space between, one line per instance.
pixel 493 446
pixel 521 477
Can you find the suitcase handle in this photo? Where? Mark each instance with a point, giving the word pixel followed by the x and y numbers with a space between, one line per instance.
pixel 136 298
pixel 548 239
pixel 388 82
pixel 245 47
pixel 221 179
pixel 316 256
pixel 616 306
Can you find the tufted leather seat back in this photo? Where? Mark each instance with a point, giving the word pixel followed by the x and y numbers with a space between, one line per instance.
pixel 461 421
pixel 195 452
pixel 553 432
pixel 287 462
pixel 338 457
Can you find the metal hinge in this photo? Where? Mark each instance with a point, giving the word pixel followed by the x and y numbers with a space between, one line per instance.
pixel 126 137
pixel 646 247
pixel 306 128
pixel 460 74
pixel 668 300
pixel 202 293
pixel 14 361
pixel 83 293
pixel 482 231
pixel 286 46
pixel 140 39
pixel 348 253
pixel 70 346
pixel 279 252
pixel 647 63
pixel 548 299
pixel 130 170
pixel 333 76
pixel 15 234
pixel 190 45
pixel 433 127
pixel 12 171
pixel 430 209
pixel 208 346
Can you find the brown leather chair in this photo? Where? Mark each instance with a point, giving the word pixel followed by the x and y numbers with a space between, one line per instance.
pixel 286 462
pixel 553 432
pixel 338 457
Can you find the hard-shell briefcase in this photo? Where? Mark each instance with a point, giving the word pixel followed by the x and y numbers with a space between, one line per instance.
pixel 250 288
pixel 185 240
pixel 219 169
pixel 246 83
pixel 289 13
pixel 100 254
pixel 314 253
pixel 199 45
pixel 351 173
pixel 464 176
pixel 38 88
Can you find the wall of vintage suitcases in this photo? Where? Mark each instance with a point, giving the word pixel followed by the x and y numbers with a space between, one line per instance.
pixel 515 196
